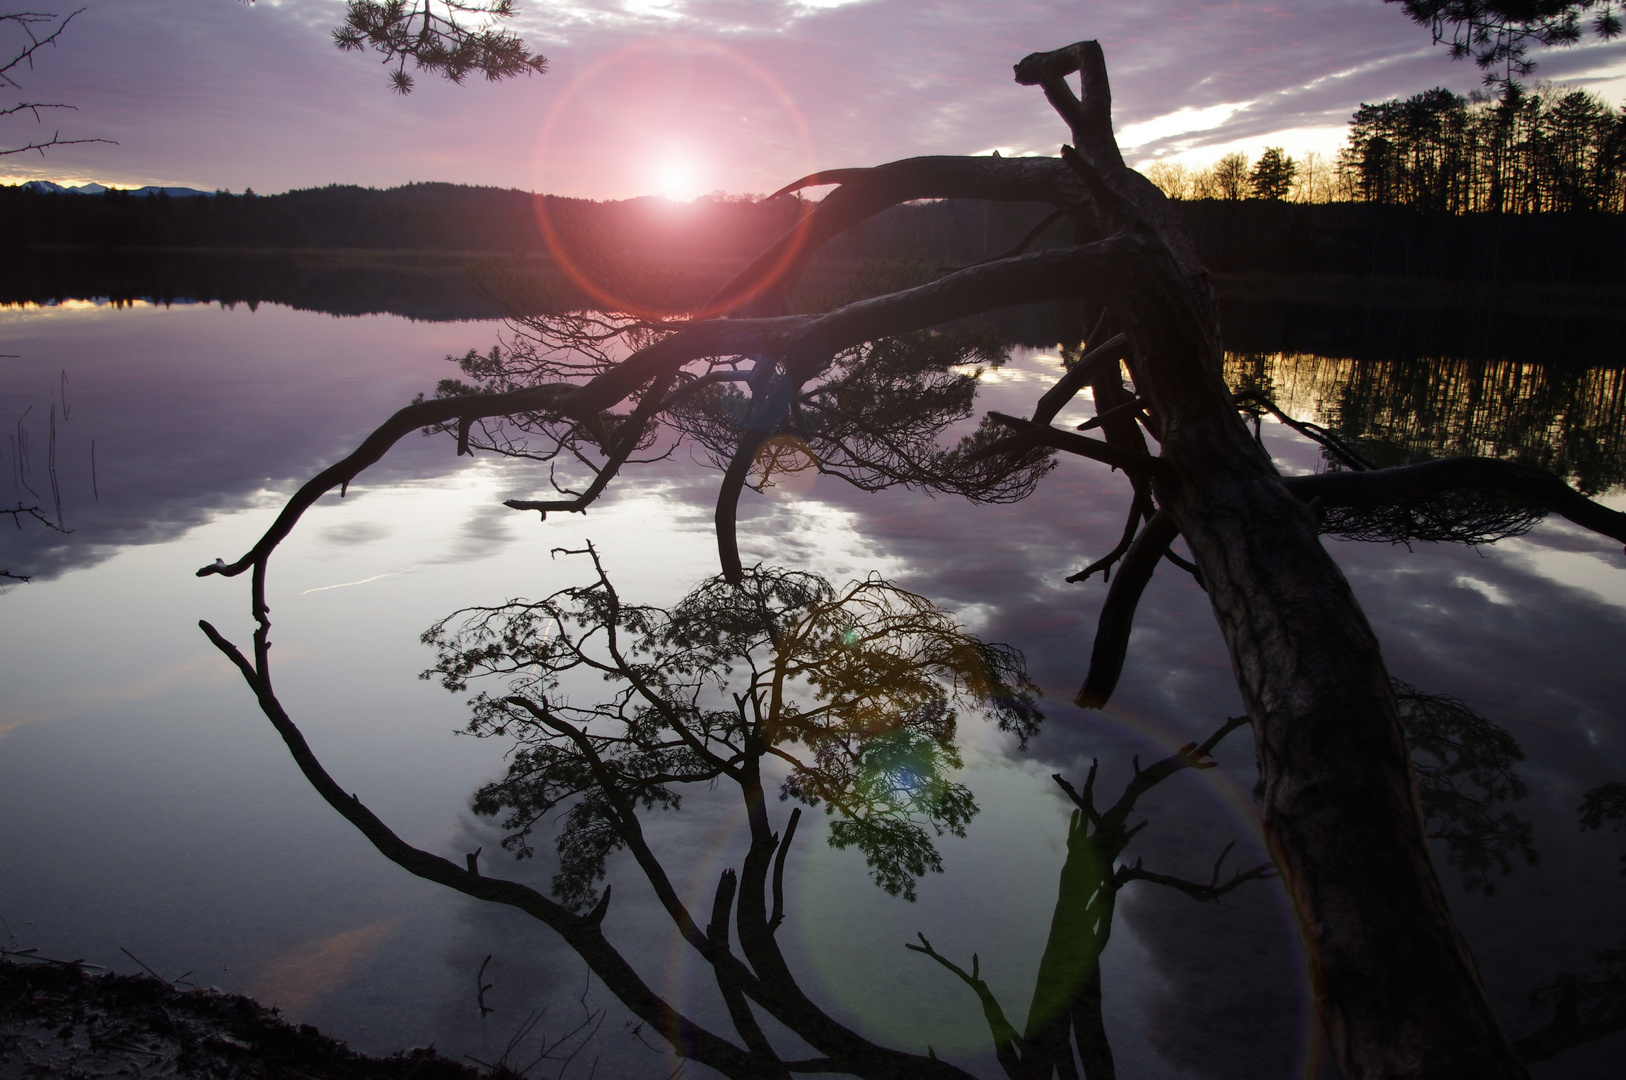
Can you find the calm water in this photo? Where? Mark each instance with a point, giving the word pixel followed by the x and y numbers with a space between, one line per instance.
pixel 146 804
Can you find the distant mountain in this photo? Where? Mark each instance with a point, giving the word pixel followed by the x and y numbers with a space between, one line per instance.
pixel 47 187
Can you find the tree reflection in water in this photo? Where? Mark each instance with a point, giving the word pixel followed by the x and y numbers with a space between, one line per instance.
pixel 1568 421
pixel 1067 989
pixel 848 699
pixel 850 694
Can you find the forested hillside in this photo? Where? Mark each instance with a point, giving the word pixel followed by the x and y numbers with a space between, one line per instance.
pixel 1249 236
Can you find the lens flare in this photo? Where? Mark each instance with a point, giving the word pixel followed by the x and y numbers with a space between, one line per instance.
pixel 659 78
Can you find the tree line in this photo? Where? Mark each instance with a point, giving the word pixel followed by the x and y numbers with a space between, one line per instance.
pixel 1526 151
pixel 454 217
pixel 1529 151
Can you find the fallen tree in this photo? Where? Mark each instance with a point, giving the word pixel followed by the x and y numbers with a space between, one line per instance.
pixel 1396 988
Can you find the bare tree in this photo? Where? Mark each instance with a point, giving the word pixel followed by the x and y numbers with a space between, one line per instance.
pixel 1313 183
pixel 1231 175
pixel 31 31
pixel 1172 178
pixel 1395 986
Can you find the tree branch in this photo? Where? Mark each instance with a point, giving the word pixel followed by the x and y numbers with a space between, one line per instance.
pixel 1080 375
pixel 1050 274
pixel 1030 435
pixel 1377 486
pixel 1201 893
pixel 582 933
pixel 1007 1043
pixel 1118 613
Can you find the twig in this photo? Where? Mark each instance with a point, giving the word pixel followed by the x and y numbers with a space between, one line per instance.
pixel 144 967
pixel 1314 432
pixel 480 988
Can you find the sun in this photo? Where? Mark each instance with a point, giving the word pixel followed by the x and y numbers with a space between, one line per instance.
pixel 678 179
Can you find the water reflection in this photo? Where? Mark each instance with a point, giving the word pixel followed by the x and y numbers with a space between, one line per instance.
pixel 1566 420
pixel 844 698
pixel 1200 988
pixel 1065 1015
pixel 166 417
pixel 847 698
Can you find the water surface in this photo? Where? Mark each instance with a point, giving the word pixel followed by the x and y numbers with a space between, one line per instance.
pixel 146 804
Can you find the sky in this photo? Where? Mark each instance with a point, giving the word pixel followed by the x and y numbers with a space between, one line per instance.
pixel 687 97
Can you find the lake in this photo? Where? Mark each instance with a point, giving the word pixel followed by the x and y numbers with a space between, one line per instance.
pixel 147 805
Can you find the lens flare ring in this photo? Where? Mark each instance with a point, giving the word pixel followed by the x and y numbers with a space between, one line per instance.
pixel 605 294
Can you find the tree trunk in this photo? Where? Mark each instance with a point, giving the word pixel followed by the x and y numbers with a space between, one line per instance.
pixel 1394 983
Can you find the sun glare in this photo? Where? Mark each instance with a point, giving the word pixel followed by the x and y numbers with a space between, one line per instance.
pixel 677 179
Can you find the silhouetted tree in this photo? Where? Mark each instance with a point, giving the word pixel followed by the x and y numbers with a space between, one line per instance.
pixel 1527 152
pixel 1231 176
pixel 1272 175
pixel 1397 990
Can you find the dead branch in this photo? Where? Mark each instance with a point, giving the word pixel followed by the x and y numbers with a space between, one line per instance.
pixel 20 511
pixel 27 21
pixel 1199 892
pixel 1007 1043
pixel 1131 407
pixel 1080 375
pixel 1140 508
pixel 56 138
pixel 1314 432
pixel 866 192
pixel 1118 613
pixel 1030 435
pixel 480 984
pixel 780 852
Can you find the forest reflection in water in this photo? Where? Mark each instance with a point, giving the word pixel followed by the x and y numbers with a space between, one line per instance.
pixel 1568 420
pixel 1172 1001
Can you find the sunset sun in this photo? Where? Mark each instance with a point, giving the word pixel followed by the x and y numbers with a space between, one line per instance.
pixel 677 178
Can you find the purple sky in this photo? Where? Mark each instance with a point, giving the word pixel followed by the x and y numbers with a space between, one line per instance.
pixel 688 96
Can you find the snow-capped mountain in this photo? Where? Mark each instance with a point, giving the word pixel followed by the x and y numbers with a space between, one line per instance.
pixel 97 189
